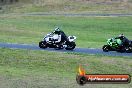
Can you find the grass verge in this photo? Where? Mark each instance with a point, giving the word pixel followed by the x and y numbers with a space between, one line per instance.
pixel 90 31
pixel 42 69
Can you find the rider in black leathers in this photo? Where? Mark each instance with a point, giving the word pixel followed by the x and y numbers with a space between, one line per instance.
pixel 60 32
pixel 125 41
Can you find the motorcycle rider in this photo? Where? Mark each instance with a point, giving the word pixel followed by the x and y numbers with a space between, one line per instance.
pixel 60 32
pixel 62 37
pixel 125 41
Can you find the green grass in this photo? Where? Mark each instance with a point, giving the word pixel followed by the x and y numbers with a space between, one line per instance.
pixel 90 31
pixel 38 69
pixel 70 6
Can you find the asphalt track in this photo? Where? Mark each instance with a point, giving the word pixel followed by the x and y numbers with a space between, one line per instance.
pixel 77 14
pixel 76 50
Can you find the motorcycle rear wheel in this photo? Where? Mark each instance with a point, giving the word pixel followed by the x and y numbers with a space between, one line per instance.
pixel 70 46
pixel 128 49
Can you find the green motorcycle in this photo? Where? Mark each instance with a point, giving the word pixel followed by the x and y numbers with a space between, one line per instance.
pixel 115 44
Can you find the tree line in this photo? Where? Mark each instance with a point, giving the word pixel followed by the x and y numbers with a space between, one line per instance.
pixel 8 1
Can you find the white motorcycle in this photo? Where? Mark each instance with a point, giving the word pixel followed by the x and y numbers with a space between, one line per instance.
pixel 54 41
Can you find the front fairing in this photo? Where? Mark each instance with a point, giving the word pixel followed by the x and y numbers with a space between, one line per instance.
pixel 47 36
pixel 113 43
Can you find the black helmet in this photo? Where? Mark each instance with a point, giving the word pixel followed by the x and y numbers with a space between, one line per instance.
pixel 57 30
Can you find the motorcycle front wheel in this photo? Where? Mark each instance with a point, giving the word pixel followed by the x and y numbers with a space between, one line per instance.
pixel 42 44
pixel 105 48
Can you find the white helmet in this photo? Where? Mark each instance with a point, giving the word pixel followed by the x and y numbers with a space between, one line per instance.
pixel 121 35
